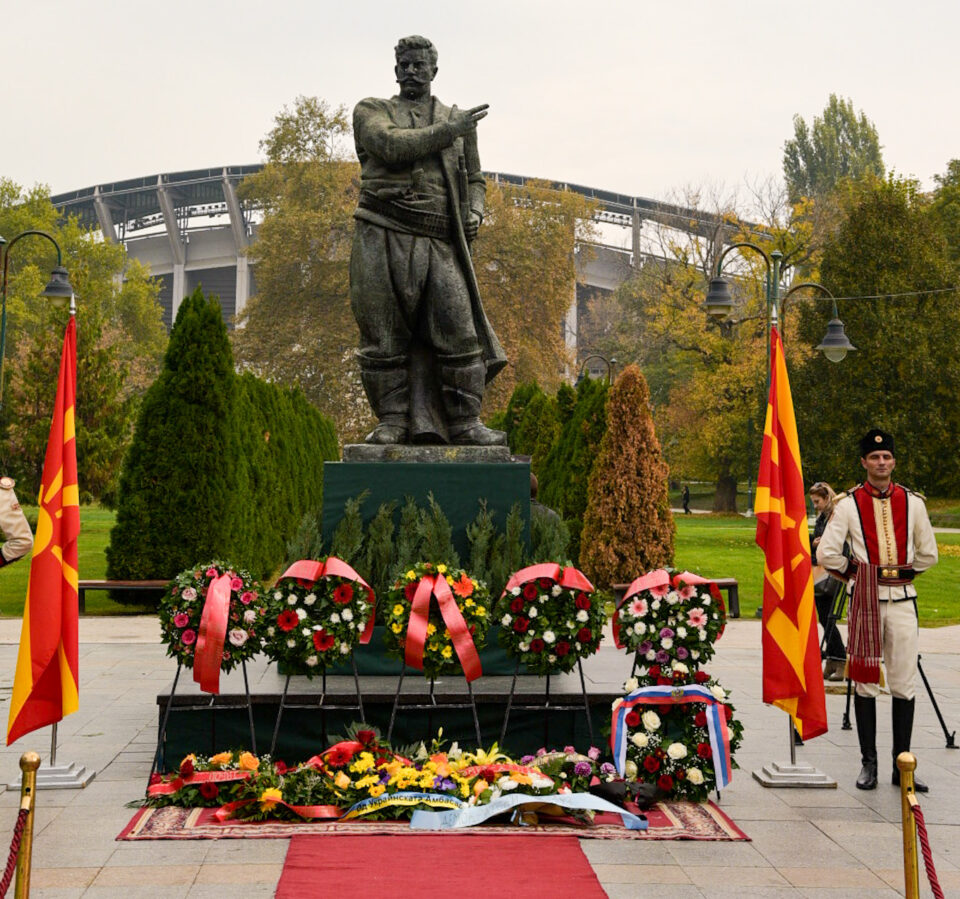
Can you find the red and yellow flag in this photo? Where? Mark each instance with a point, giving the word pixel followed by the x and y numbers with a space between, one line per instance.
pixel 45 686
pixel 792 678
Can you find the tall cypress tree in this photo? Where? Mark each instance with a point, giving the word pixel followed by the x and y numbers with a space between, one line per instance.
pixel 628 527
pixel 176 500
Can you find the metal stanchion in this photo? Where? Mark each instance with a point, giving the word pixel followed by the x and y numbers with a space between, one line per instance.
pixel 29 762
pixel 907 764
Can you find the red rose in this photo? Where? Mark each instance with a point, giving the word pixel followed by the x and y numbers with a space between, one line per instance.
pixel 530 591
pixel 728 712
pixel 701 677
pixel 516 605
pixel 584 635
pixel 343 594
pixel 520 624
pixel 322 641
pixel 155 778
pixel 654 671
pixel 665 782
pixel 700 719
pixel 545 583
pixel 186 767
pixel 664 681
pixel 633 718
pixel 563 648
pixel 583 601
pixel 703 750
pixel 651 763
pixel 287 620
pixel 280 766
pixel 410 590
pixel 366 737
pixel 680 774
pixel 209 790
pixel 489 774
pixel 536 645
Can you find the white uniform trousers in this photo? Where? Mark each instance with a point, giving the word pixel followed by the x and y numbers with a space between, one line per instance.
pixel 899 637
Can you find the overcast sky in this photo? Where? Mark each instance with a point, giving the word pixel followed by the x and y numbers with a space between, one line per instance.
pixel 638 97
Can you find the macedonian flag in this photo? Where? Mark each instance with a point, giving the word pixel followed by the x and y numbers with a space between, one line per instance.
pixel 792 679
pixel 45 687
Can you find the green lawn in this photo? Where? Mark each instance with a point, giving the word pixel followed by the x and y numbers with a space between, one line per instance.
pixel 713 545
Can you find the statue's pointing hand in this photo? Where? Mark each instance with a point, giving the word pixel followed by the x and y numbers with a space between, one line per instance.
pixel 465 120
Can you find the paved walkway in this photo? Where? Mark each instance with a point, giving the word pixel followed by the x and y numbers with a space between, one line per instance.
pixel 810 843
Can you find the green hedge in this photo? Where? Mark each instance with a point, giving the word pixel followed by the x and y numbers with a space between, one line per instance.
pixel 220 466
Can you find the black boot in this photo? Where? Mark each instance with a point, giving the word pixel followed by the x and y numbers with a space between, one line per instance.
pixel 462 389
pixel 388 389
pixel 902 732
pixel 865 709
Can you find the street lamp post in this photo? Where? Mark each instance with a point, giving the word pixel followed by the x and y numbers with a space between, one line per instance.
pixel 58 288
pixel 610 363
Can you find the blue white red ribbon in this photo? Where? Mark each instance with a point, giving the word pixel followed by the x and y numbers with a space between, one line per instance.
pixel 676 695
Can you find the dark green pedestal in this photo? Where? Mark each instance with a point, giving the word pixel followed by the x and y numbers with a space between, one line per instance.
pixel 457 486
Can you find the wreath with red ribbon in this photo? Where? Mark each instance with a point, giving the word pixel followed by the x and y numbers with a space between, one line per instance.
pixel 212 619
pixel 666 617
pixel 437 617
pixel 549 618
pixel 316 615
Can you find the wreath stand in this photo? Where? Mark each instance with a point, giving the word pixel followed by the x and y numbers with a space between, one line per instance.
pixel 548 706
pixel 319 703
pixel 158 759
pixel 431 706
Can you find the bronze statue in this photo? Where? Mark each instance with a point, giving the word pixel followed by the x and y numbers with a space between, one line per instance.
pixel 427 350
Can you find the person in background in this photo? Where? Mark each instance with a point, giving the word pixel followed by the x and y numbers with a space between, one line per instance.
pixel 685 496
pixel 826 588
pixel 17 537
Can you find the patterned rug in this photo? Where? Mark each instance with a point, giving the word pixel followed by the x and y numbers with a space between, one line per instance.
pixel 667 821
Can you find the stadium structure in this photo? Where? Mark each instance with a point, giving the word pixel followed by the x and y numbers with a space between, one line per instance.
pixel 193 228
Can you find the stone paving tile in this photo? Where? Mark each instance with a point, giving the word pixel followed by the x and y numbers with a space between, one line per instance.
pixel 142 891
pixel 647 852
pixel 56 892
pixel 141 875
pixel 61 877
pixel 246 851
pixel 798 843
pixel 724 891
pixel 158 852
pixel 663 874
pixel 730 878
pixel 240 874
pixel 835 878
pixel 650 891
pixel 215 891
pixel 843 893
pixel 695 853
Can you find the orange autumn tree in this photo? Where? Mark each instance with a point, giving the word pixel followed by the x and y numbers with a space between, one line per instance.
pixel 628 527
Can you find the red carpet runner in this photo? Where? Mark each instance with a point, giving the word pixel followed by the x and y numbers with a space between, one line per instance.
pixel 469 867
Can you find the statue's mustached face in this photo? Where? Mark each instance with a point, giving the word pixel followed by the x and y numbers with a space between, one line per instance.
pixel 414 71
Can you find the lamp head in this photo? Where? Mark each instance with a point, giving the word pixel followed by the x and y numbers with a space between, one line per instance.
pixel 58 289
pixel 835 344
pixel 718 301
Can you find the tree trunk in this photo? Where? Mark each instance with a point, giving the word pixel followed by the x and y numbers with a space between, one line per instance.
pixel 725 499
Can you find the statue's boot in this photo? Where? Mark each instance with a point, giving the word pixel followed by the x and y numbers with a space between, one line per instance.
pixel 865 710
pixel 388 389
pixel 902 732
pixel 462 384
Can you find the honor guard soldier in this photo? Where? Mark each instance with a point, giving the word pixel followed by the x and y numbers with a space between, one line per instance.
pixel 891 539
pixel 17 537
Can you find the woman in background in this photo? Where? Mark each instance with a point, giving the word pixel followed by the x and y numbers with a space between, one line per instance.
pixel 825 588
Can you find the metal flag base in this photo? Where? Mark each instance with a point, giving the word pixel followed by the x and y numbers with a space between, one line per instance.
pixel 777 775
pixel 57 777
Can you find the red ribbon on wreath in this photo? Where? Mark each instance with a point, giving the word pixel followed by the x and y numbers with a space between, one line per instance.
pixel 569 577
pixel 169 787
pixel 307 573
pixel 208 655
pixel 416 640
pixel 310 812
pixel 657 579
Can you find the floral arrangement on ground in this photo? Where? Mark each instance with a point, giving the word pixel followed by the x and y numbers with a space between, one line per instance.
pixel 671 621
pixel 548 626
pixel 472 600
pixel 668 745
pixel 362 775
pixel 313 625
pixel 181 607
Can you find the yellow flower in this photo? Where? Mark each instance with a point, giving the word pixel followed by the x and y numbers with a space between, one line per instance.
pixel 363 762
pixel 481 611
pixel 396 627
pixel 248 762
pixel 469 603
pixel 341 780
pixel 442 568
pixel 398 609
pixel 377 789
pixel 411 575
pixel 520 777
pixel 464 789
pixel 221 759
pixel 449 580
pixel 447 651
pixel 367 781
pixel 433 646
pixel 269 798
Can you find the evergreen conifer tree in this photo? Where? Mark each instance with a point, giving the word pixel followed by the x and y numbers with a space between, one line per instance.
pixel 628 527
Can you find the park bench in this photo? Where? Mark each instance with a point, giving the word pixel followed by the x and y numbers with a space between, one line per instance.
pixel 145 586
pixel 728 584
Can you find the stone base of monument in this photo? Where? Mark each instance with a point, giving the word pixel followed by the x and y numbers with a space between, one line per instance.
pixel 312 717
pixel 370 452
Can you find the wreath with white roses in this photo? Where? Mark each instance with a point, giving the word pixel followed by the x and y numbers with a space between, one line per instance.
pixel 669 745
pixel 674 618
pixel 181 607
pixel 472 599
pixel 549 619
pixel 315 622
